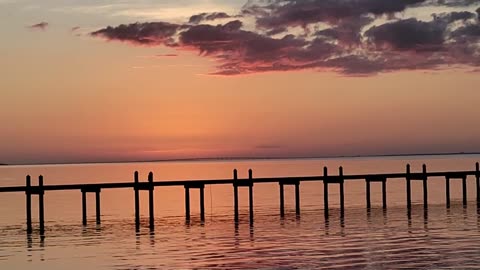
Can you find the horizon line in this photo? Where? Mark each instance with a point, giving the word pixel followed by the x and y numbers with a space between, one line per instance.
pixel 242 158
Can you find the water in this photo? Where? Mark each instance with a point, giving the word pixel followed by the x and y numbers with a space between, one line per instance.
pixel 439 238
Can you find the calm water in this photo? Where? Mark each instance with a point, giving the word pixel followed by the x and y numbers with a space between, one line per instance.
pixel 433 239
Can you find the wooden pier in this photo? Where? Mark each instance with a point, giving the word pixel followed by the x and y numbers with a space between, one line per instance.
pixel 327 180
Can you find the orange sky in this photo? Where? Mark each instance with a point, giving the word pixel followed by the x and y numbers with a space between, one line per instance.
pixel 71 97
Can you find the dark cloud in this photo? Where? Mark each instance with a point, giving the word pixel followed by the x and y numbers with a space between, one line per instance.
pixel 410 34
pixel 346 36
pixel 196 19
pixel 287 13
pixel 151 33
pixel 39 26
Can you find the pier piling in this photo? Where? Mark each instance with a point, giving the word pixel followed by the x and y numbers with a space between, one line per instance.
pixel 29 204
pixel 282 184
pixel 187 203
pixel 235 194
pixel 381 179
pixel 333 180
pixel 137 200
pixel 151 201
pixel 325 191
pixel 477 181
pixel 250 194
pixel 243 183
pixel 409 189
pixel 97 206
pixel 41 210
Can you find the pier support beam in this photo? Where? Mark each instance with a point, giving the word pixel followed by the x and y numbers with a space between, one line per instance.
pixel 90 189
pixel 201 188
pixel 381 179
pixel 460 176
pixel 32 190
pixel 84 208
pixel 333 180
pixel 243 183
pixel 295 183
pixel 417 176
pixel 150 188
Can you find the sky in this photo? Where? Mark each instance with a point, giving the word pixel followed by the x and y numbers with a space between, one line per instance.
pixel 119 80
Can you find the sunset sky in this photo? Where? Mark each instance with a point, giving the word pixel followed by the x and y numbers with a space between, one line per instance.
pixel 98 80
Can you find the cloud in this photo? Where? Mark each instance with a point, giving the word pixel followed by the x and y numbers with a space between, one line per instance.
pixel 39 26
pixel 150 33
pixel 348 36
pixel 196 19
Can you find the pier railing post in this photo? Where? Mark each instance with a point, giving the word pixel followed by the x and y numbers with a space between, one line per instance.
pixel 342 192
pixel 325 191
pixel 151 201
pixel 235 195
pixel 137 199
pixel 409 190
pixel 464 190
pixel 447 190
pixel 250 193
pixel 41 210
pixel 97 205
pixel 28 194
pixel 425 186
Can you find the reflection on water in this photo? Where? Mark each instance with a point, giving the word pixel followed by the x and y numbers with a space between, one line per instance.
pixel 436 238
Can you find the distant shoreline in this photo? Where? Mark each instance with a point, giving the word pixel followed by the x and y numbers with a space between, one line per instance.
pixel 245 158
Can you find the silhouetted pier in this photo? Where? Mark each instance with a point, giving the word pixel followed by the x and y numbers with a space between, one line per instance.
pixel 149 185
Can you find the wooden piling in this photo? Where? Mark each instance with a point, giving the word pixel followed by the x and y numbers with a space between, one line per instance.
pixel 425 186
pixel 202 203
pixel 235 195
pixel 151 201
pixel 477 181
pixel 325 191
pixel 282 200
pixel 137 199
pixel 187 203
pixel 464 190
pixel 97 206
pixel 250 193
pixel 41 211
pixel 384 193
pixel 28 196
pixel 367 185
pixel 409 190
pixel 84 208
pixel 447 190
pixel 342 193
pixel 297 198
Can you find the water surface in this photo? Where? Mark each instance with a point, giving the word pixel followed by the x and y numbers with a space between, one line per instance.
pixel 439 238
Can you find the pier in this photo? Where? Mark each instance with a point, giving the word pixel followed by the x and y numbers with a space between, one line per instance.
pixel 149 185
